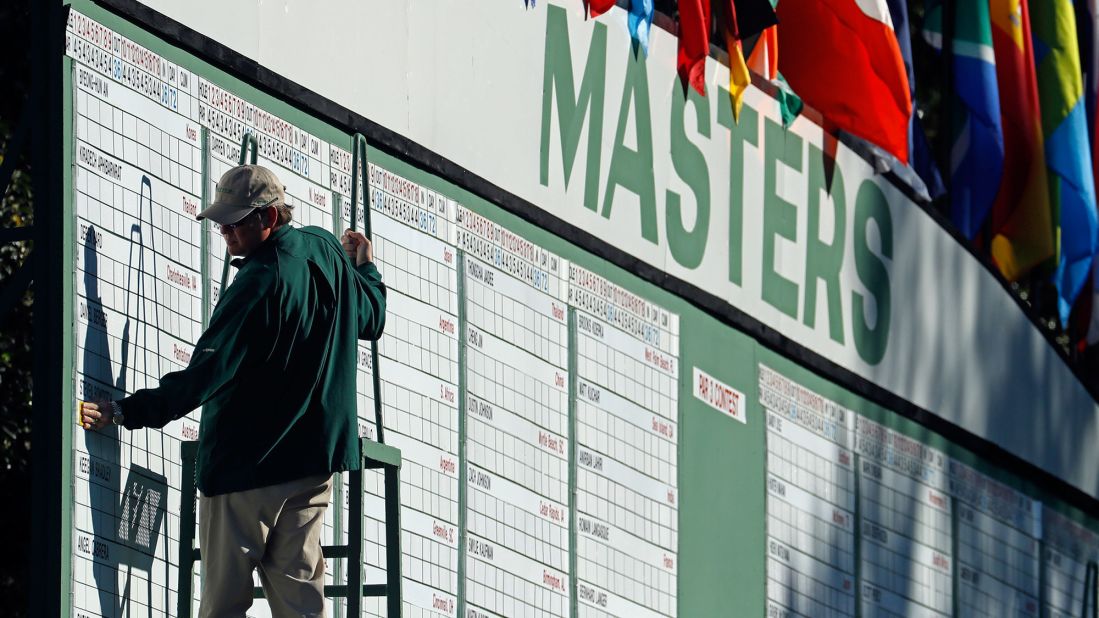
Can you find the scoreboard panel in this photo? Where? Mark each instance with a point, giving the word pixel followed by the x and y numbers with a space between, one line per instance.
pixel 547 406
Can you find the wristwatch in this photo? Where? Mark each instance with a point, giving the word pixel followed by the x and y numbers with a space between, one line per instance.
pixel 117 417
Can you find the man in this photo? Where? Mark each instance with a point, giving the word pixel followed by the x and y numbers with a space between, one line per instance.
pixel 275 372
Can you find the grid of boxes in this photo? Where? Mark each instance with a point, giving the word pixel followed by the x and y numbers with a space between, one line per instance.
pixel 810 501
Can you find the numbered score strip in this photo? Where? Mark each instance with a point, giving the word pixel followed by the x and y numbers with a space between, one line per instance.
pixel 278 140
pixel 805 407
pixel 512 254
pixel 123 61
pixel 652 324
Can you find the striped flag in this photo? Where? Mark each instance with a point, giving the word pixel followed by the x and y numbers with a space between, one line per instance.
pixel 1022 234
pixel 841 57
pixel 920 158
pixel 763 59
pixel 977 153
pixel 1068 153
pixel 764 56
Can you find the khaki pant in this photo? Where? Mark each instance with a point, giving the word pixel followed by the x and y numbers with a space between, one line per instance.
pixel 275 529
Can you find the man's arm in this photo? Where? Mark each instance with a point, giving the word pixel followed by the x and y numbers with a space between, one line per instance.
pixel 237 330
pixel 371 290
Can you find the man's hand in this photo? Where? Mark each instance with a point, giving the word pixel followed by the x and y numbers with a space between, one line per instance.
pixel 94 415
pixel 357 247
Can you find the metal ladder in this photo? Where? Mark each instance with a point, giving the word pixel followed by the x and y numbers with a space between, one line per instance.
pixel 375 456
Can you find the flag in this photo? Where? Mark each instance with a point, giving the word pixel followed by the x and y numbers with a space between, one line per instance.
pixel 919 150
pixel 842 58
pixel 1086 16
pixel 754 16
pixel 640 23
pixel 764 56
pixel 598 7
pixel 1068 155
pixel 739 78
pixel 1022 233
pixel 977 151
pixel 694 43
pixel 763 59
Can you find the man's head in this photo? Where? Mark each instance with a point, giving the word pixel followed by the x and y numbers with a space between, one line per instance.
pixel 249 204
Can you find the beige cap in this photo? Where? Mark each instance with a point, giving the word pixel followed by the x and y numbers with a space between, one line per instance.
pixel 240 191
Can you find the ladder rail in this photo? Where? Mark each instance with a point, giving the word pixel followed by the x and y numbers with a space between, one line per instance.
pixel 374 456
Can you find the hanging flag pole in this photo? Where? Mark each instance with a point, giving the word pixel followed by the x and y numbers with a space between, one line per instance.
pixel 358 174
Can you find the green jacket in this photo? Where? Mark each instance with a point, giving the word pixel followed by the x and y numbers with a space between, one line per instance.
pixel 276 369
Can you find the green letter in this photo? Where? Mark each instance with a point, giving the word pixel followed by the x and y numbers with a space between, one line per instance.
pixel 746 131
pixel 629 168
pixel 570 108
pixel 688 247
pixel 870 342
pixel 824 260
pixel 779 216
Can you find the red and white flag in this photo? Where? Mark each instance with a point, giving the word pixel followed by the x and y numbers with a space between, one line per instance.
pixel 842 58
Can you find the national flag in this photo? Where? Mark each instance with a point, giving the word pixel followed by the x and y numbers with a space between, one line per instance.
pixel 764 56
pixel 739 78
pixel 919 150
pixel 1022 233
pixel 598 7
pixel 977 152
pixel 1068 155
pixel 763 59
pixel 640 23
pixel 1086 17
pixel 842 58
pixel 694 43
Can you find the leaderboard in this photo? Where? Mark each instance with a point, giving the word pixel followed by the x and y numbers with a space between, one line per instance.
pixel 626 432
pixel 517 448
pixel 865 520
pixel 137 181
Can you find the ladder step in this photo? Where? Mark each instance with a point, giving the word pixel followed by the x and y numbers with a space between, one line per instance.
pixel 338 591
pixel 329 551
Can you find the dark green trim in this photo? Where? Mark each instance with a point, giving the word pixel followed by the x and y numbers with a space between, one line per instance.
pixel 574 577
pixel 857 515
pixel 204 233
pixel 463 487
pixel 955 575
pixel 63 266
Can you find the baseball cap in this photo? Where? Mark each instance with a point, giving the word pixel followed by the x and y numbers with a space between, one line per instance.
pixel 241 190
